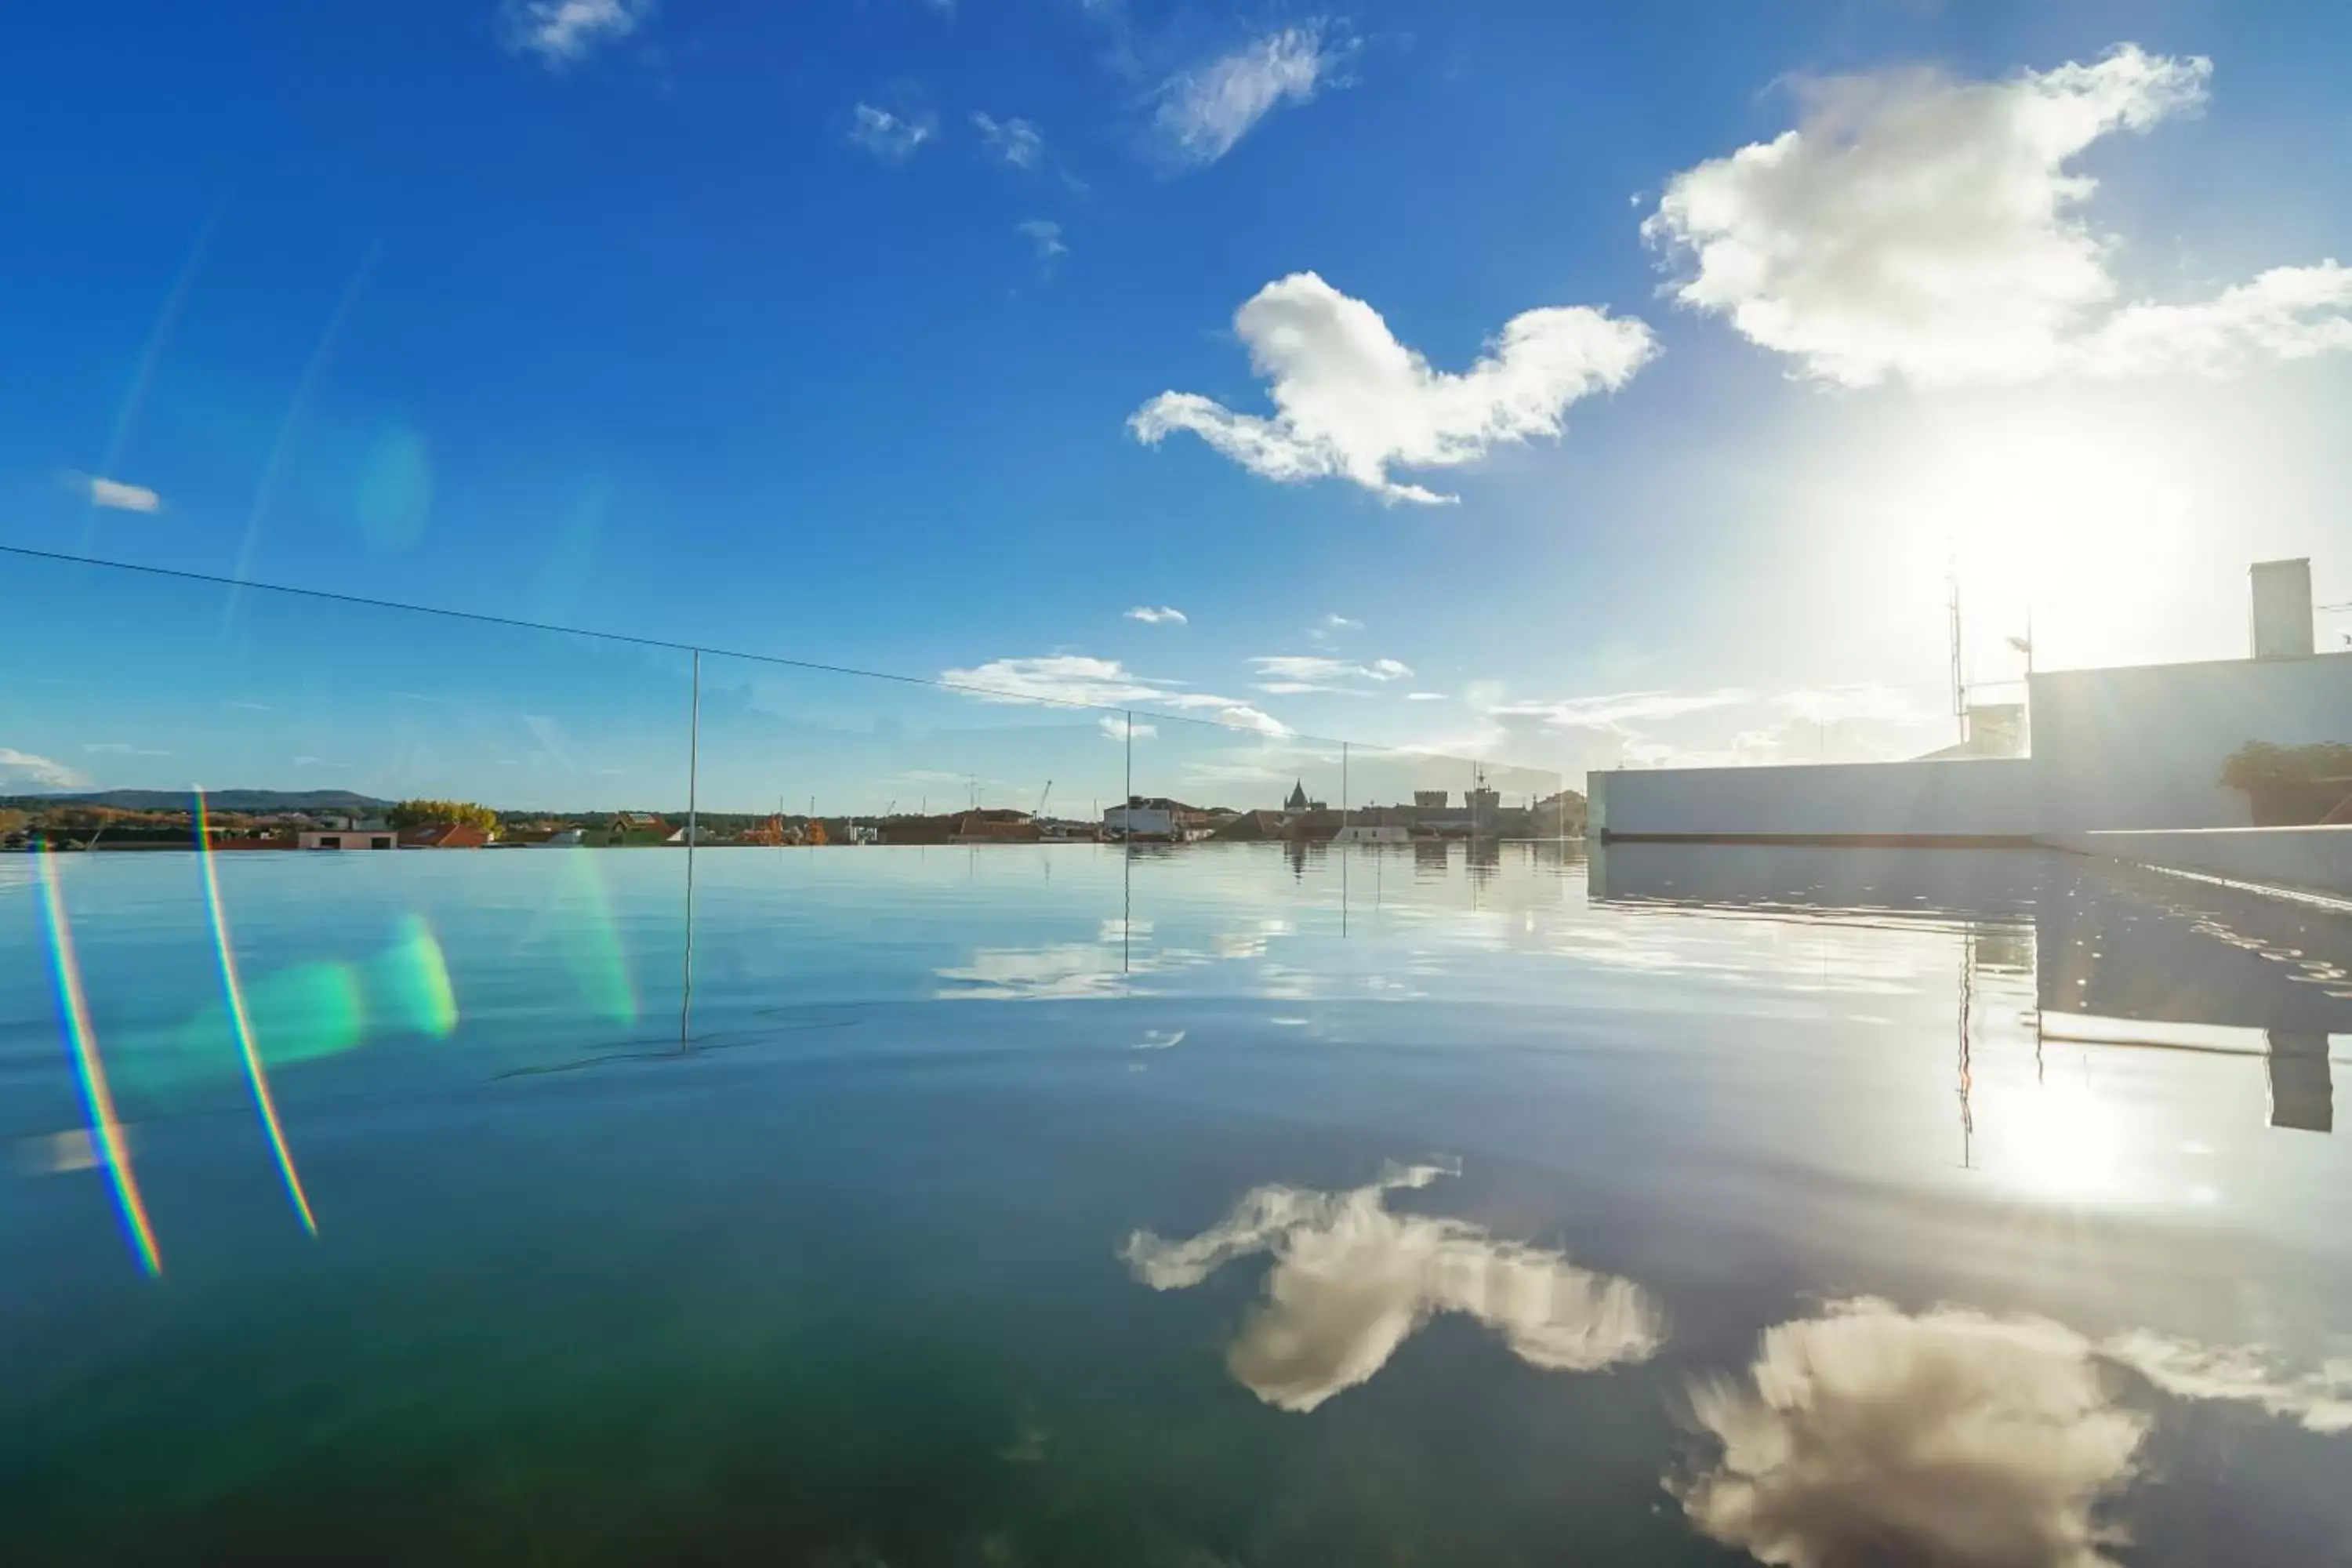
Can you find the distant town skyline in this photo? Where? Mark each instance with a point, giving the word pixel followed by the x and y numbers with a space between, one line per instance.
pixel 1568 386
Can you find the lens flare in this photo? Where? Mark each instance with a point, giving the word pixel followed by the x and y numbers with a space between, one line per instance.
pixel 590 940
pixel 241 1022
pixel 98 1099
pixel 413 980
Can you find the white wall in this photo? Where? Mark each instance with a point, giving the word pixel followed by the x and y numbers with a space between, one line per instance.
pixel 2142 747
pixel 1964 798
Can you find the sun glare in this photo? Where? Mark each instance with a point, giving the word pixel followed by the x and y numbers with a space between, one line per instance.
pixel 2059 1139
pixel 2072 509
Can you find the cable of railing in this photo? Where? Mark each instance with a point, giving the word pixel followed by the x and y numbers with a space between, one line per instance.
pixel 518 623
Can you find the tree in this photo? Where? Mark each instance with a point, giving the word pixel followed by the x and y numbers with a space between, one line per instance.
pixel 440 813
pixel 14 821
pixel 2257 765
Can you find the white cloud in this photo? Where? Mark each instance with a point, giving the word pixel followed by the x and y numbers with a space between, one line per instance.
pixel 1045 237
pixel 25 768
pixel 121 749
pixel 1912 226
pixel 2319 1402
pixel 118 496
pixel 1350 401
pixel 1284 674
pixel 1116 727
pixel 1617 708
pixel 1352 1282
pixel 891 137
pixel 562 33
pixel 1204 112
pixel 1339 623
pixel 1080 679
pixel 1425 696
pixel 1864 701
pixel 2285 313
pixel 1869 1435
pixel 1163 616
pixel 1058 973
pixel 1018 142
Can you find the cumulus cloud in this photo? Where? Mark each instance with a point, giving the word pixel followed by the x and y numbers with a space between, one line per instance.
pixel 892 137
pixel 1045 237
pixel 562 33
pixel 1871 1434
pixel 1352 1282
pixel 1350 401
pixel 1868 1435
pixel 1160 615
pixel 1915 226
pixel 1339 623
pixel 1080 679
pixel 27 768
pixel 1017 142
pixel 1204 112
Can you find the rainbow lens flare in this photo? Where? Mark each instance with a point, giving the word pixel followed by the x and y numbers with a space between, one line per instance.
pixel 97 1099
pixel 241 1022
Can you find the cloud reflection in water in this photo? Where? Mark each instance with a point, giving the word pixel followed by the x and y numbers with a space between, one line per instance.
pixel 1869 1435
pixel 1352 1281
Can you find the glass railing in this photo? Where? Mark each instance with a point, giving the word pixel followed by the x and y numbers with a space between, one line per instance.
pixel 690 847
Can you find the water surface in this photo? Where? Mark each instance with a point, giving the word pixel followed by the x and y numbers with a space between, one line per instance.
pixel 1227 1204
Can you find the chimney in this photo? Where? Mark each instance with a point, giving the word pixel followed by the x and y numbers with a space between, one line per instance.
pixel 2282 608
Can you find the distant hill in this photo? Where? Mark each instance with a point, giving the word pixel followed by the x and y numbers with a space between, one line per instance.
pixel 338 800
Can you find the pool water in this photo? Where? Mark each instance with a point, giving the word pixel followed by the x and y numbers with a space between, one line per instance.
pixel 1237 1205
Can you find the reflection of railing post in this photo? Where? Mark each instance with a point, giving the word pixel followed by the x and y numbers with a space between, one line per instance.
pixel 693 832
pixel 1127 858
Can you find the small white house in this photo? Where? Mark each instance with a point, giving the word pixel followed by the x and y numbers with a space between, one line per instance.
pixel 1140 819
pixel 370 837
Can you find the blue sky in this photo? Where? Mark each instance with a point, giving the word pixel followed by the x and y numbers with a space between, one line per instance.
pixel 847 331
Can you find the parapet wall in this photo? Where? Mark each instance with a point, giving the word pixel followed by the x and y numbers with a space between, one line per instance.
pixel 1963 801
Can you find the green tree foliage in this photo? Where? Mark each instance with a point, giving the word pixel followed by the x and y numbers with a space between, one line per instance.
pixel 2257 765
pixel 435 813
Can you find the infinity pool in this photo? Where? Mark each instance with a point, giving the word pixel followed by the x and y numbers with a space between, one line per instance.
pixel 1220 1206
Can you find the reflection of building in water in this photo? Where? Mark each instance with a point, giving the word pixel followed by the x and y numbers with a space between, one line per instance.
pixel 1486 858
pixel 1429 856
pixel 2302 1092
pixel 2119 960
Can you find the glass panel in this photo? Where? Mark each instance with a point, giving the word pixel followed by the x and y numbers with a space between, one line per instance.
pixel 869 842
pixel 389 892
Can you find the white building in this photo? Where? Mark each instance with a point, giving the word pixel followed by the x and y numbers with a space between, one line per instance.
pixel 2135 747
pixel 374 837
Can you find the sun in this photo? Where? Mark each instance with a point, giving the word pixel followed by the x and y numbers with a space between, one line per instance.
pixel 2071 508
